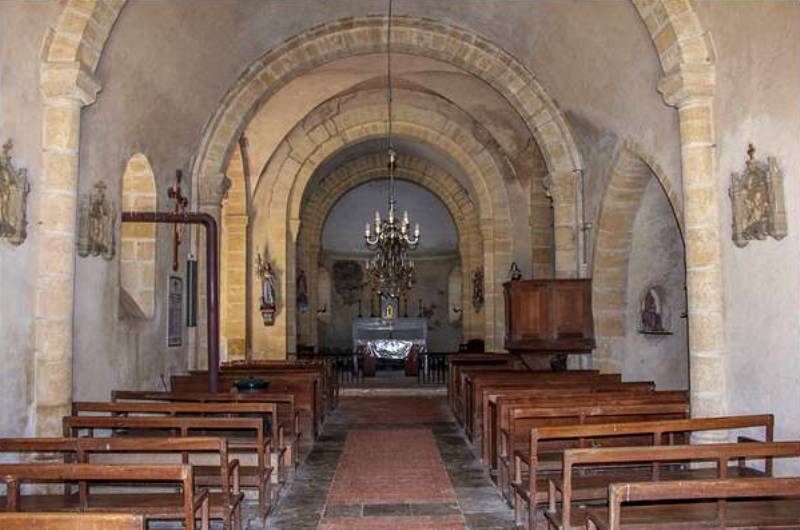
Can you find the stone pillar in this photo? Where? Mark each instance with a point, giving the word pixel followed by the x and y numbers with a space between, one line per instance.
pixel 561 188
pixel 690 90
pixel 66 88
pixel 210 197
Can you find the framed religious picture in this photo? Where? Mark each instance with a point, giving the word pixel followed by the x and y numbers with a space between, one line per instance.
pixel 175 312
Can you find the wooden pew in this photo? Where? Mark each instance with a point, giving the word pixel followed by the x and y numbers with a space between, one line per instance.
pixel 326 364
pixel 225 505
pixel 283 448
pixel 455 362
pixel 579 409
pixel 472 381
pixel 70 521
pixel 542 458
pixel 299 431
pixel 245 436
pixel 303 385
pixel 159 506
pixel 529 396
pixel 617 465
pixel 762 508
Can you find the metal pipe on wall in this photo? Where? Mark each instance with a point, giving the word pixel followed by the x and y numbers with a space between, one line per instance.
pixel 212 275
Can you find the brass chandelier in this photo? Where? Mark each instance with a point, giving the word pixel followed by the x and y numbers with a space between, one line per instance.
pixel 390 271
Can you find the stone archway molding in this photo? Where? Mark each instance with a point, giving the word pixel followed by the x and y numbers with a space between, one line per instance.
pixel 464 212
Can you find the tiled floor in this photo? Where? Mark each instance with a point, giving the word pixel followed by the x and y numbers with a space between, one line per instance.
pixel 394 462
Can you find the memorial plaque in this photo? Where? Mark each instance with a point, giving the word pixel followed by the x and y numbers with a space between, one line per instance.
pixel 175 312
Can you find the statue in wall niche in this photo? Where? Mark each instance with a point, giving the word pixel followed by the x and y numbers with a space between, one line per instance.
pixel 514 274
pixel 96 222
pixel 269 305
pixel 14 188
pixel 301 286
pixel 477 289
pixel 757 201
pixel 652 313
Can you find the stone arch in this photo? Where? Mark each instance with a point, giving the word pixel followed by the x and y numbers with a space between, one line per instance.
pixel 631 172
pixel 419 36
pixel 138 241
pixel 295 161
pixel 323 198
pixel 687 59
pixel 71 52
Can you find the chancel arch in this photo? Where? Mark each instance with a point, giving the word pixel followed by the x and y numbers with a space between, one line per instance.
pixel 320 199
pixel 283 182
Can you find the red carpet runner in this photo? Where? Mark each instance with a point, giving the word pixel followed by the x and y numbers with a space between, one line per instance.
pixel 391 471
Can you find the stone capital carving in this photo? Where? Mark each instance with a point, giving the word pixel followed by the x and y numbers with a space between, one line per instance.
pixel 213 191
pixel 68 81
pixel 14 188
pixel 687 84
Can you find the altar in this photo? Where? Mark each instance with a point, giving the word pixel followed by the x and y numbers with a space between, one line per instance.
pixel 390 338
pixel 400 339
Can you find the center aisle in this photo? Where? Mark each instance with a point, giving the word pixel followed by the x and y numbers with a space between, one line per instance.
pixel 391 462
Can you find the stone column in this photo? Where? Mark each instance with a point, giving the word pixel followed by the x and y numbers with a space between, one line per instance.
pixel 561 188
pixel 690 90
pixel 210 195
pixel 66 89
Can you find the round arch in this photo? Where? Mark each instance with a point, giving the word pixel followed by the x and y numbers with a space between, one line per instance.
pixel 631 172
pixel 324 197
pixel 293 164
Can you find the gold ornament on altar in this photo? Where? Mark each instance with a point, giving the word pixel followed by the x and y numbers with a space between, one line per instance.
pixel 757 201
pixel 97 218
pixel 14 188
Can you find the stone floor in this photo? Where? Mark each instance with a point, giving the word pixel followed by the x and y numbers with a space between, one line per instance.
pixel 382 462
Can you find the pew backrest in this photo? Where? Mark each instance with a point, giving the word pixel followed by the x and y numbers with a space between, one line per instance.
pixel 71 521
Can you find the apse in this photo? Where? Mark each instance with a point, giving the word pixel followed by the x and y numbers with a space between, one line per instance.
pixel 344 254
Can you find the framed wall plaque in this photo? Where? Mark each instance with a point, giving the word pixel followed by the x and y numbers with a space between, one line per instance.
pixel 175 312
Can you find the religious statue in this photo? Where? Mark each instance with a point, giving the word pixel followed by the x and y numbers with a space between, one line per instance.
pixel 301 286
pixel 477 289
pixel 651 318
pixel 757 201
pixel 514 274
pixel 96 222
pixel 268 298
pixel 14 188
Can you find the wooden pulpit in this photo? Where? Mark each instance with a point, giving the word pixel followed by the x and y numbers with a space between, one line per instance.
pixel 549 316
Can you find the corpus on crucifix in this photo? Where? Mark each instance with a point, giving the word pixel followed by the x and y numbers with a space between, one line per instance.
pixel 181 204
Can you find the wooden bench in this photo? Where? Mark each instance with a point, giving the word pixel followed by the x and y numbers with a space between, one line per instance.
pixel 473 382
pixel 285 402
pixel 283 448
pixel 487 423
pixel 623 464
pixel 224 505
pixel 457 362
pixel 245 437
pixel 327 365
pixel 543 456
pixel 578 410
pixel 184 506
pixel 762 507
pixel 70 521
pixel 304 386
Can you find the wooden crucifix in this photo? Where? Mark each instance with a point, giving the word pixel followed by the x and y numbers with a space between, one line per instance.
pixel 181 205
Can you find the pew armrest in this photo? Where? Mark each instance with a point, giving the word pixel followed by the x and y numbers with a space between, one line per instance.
pixel 233 474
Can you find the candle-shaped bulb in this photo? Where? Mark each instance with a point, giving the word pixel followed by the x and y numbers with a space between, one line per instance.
pixel 416 230
pixel 391 214
pixel 366 230
pixel 377 218
pixel 405 217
